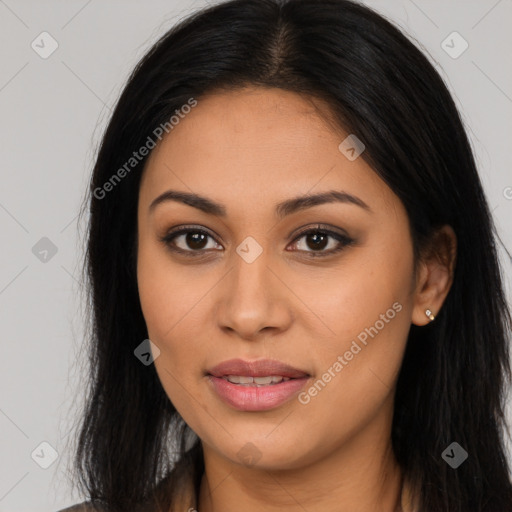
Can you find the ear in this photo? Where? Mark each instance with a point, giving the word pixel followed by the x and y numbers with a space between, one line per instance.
pixel 434 277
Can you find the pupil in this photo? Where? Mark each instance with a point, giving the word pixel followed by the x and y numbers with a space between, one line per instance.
pixel 196 240
pixel 315 238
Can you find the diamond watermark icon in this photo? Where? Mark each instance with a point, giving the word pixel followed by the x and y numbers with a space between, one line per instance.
pixel 454 45
pixel 44 45
pixel 44 455
pixel 249 250
pixel 249 454
pixel 44 250
pixel 352 147
pixel 454 455
pixel 147 352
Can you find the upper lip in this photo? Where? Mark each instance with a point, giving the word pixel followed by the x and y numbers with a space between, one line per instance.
pixel 260 368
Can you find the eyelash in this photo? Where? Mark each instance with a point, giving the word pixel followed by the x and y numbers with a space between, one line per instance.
pixel 343 240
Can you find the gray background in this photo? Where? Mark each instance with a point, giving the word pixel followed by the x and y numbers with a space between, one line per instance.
pixel 53 112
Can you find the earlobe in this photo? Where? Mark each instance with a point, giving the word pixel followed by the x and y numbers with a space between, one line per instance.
pixel 435 276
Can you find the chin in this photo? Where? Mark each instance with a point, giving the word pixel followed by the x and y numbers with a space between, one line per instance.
pixel 262 453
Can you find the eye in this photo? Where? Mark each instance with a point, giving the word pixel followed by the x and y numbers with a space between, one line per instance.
pixel 193 241
pixel 318 238
pixel 188 240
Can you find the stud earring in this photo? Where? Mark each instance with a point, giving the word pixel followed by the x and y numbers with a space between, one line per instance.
pixel 429 314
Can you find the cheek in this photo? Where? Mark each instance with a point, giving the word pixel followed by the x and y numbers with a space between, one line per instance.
pixel 368 307
pixel 351 296
pixel 168 293
pixel 379 277
pixel 172 300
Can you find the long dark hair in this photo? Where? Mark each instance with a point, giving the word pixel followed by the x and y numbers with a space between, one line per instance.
pixel 383 89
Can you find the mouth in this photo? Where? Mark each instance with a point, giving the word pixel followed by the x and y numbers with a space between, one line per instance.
pixel 257 385
pixel 243 380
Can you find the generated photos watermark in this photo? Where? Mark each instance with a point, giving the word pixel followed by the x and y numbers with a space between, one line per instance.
pixel 144 150
pixel 343 360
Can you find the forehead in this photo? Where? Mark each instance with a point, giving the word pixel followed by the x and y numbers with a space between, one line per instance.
pixel 255 145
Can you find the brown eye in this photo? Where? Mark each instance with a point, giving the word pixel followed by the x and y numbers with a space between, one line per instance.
pixel 189 241
pixel 317 240
pixel 193 241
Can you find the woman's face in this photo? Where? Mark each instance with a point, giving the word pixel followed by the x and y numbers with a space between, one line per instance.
pixel 246 283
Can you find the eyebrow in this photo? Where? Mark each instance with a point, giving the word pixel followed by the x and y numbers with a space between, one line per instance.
pixel 282 209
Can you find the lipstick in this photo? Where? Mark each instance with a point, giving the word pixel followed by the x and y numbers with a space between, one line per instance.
pixel 256 385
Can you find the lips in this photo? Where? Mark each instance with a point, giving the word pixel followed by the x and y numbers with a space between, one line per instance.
pixel 256 385
pixel 261 368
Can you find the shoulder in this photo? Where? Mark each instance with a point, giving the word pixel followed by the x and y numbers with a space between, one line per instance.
pixel 85 506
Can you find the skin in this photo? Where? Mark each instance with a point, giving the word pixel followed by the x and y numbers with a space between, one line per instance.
pixel 250 150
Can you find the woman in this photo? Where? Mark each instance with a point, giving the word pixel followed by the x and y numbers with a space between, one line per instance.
pixel 296 297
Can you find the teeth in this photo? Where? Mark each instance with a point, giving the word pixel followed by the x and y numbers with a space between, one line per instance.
pixel 258 381
pixel 263 380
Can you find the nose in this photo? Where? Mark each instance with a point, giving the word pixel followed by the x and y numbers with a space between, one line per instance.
pixel 252 299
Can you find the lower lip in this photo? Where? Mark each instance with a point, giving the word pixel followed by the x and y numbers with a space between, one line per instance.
pixel 253 398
